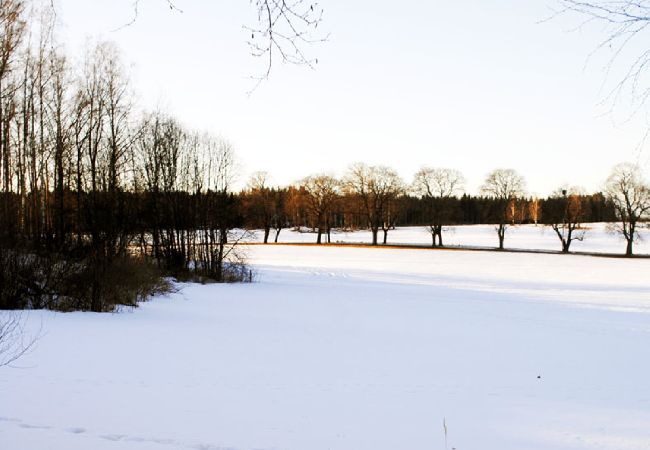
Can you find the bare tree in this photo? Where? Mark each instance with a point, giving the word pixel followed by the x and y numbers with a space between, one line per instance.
pixel 12 27
pixel 504 186
pixel 390 214
pixel 118 110
pixel 322 191
pixel 630 194
pixel 376 187
pixel 437 186
pixel 280 211
pixel 105 101
pixel 219 163
pixel 565 212
pixel 266 206
pixel 260 202
pixel 258 180
pixel 61 127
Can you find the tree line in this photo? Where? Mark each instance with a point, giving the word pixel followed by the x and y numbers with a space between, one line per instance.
pixel 377 199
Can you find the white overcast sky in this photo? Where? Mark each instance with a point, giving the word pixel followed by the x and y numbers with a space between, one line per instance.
pixel 473 85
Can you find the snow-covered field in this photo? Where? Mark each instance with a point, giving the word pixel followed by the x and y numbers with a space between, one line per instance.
pixel 352 349
pixel 596 238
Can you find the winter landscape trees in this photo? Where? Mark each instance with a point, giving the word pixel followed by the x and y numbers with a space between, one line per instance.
pixel 93 190
pixel 376 188
pixel 630 195
pixel 565 212
pixel 430 336
pixel 261 203
pixel 505 186
pixel 438 187
pixel 322 192
pixel 321 203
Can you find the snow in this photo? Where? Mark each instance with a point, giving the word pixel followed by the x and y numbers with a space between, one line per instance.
pixel 531 237
pixel 337 348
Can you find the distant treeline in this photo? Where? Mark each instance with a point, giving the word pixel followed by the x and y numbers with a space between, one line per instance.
pixel 274 208
pixel 376 198
pixel 475 210
pixel 289 207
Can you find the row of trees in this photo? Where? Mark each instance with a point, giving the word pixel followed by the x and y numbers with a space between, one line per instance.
pixel 98 203
pixel 376 198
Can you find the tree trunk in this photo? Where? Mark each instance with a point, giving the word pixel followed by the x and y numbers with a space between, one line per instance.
pixel 277 234
pixel 375 231
pixel 566 243
pixel 58 194
pixel 385 235
pixel 267 231
pixel 502 235
pixel 97 273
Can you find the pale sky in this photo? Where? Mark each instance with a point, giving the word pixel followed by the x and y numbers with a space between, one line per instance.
pixel 472 85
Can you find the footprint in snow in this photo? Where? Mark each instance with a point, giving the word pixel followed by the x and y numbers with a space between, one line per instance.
pixel 76 430
pixel 34 427
pixel 112 437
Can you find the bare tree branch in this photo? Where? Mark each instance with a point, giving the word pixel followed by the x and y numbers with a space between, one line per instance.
pixel 15 342
pixel 626 22
pixel 284 28
pixel 136 9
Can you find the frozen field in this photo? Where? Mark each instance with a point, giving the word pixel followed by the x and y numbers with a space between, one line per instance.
pixel 352 349
pixel 597 238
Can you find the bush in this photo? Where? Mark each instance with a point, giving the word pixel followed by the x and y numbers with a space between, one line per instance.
pixel 28 280
pixel 105 286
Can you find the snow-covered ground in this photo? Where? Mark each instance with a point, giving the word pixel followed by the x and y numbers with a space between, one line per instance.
pixel 597 238
pixel 351 349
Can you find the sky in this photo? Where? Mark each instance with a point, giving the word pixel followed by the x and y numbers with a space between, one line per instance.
pixel 471 85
